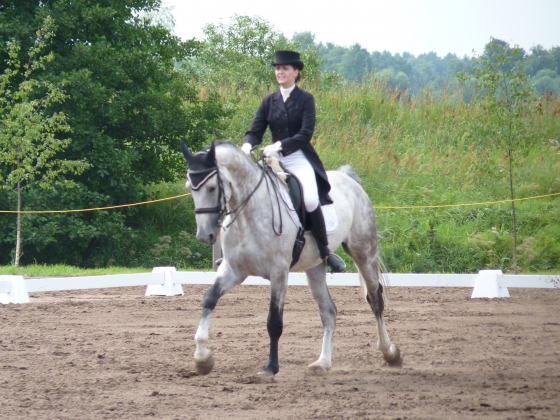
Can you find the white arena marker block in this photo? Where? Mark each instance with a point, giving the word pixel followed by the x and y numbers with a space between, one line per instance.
pixel 487 285
pixel 18 291
pixel 167 288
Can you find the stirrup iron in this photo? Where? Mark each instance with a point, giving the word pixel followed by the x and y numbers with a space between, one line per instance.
pixel 335 262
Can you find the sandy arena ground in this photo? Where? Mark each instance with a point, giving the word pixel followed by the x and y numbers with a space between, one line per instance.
pixel 114 353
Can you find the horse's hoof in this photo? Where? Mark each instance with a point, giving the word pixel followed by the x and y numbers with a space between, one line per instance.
pixel 393 356
pixel 266 375
pixel 318 369
pixel 204 367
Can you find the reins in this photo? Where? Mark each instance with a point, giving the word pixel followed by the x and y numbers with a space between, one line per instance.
pixel 244 202
pixel 268 170
pixel 221 206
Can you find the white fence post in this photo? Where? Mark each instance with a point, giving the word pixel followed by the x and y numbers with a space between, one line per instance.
pixel 18 291
pixel 488 285
pixel 168 288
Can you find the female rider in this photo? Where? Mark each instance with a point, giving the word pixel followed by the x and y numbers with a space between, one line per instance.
pixel 290 115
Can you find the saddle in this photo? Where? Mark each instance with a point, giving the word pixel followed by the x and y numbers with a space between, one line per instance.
pixel 293 187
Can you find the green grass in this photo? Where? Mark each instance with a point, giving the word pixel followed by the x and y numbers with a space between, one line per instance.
pixel 66 271
pixel 59 270
pixel 421 151
pixel 429 151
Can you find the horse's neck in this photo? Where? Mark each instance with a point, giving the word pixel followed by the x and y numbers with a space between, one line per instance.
pixel 240 173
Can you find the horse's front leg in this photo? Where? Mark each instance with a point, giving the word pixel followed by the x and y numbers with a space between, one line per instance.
pixel 226 280
pixel 275 323
pixel 316 277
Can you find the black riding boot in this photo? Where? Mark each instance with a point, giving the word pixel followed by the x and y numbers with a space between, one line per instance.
pixel 319 231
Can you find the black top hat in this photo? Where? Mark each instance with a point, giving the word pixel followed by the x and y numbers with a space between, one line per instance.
pixel 288 57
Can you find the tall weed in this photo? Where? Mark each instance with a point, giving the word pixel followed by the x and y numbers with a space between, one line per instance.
pixel 430 150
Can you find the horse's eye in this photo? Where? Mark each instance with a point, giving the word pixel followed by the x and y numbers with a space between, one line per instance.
pixel 212 189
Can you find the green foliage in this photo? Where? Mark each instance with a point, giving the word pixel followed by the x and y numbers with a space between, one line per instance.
pixel 163 234
pixel 547 81
pixel 127 106
pixel 441 151
pixel 28 133
pixel 238 55
pixel 58 270
pixel 29 142
pixel 505 96
pixel 426 71
pixel 540 59
pixel 131 90
pixel 438 150
pixel 62 238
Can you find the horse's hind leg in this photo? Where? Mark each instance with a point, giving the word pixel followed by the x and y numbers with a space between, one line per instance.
pixel 225 281
pixel 368 266
pixel 391 352
pixel 316 278
pixel 275 323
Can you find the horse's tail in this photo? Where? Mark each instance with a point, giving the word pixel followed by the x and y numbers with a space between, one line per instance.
pixel 348 170
pixel 383 280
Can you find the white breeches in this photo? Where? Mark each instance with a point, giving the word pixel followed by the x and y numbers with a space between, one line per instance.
pixel 298 164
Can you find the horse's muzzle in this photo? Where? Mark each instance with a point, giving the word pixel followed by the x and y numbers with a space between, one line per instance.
pixel 206 238
pixel 207 226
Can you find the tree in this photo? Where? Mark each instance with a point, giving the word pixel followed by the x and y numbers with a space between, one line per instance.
pixel 128 106
pixel 505 94
pixel 29 143
pixel 355 63
pixel 331 56
pixel 305 40
pixel 401 80
pixel 239 54
pixel 547 80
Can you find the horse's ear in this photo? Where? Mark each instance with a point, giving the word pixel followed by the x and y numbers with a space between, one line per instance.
pixel 211 154
pixel 186 152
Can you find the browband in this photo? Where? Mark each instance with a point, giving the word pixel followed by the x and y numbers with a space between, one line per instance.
pixel 202 171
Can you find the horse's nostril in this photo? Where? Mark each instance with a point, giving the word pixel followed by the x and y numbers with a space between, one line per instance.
pixel 211 237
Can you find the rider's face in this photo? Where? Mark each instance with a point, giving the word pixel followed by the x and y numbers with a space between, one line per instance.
pixel 286 75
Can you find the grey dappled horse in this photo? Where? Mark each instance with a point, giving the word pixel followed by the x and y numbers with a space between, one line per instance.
pixel 255 244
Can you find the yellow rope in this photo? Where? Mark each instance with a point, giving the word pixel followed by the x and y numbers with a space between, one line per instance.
pixel 95 208
pixel 185 195
pixel 466 204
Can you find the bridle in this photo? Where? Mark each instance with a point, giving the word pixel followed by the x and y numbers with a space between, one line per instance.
pixel 220 208
pixel 221 205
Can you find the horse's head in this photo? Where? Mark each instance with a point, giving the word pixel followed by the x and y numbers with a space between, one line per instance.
pixel 203 180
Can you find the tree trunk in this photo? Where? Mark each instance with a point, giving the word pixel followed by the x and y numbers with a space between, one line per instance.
pixel 515 268
pixel 18 231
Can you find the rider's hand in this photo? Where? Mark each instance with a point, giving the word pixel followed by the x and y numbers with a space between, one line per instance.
pixel 272 149
pixel 247 148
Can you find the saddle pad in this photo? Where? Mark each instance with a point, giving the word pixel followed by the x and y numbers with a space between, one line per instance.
pixel 329 211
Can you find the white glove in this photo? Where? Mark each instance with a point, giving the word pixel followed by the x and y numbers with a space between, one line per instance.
pixel 247 148
pixel 272 149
